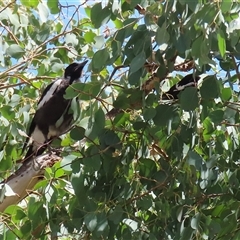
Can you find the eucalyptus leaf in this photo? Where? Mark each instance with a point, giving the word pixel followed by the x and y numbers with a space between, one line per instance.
pixel 15 51
pixel 210 88
pixel 189 99
pixel 53 6
pixel 137 62
pixel 100 59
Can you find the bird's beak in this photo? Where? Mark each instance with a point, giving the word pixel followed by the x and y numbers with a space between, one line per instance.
pixel 82 64
pixel 80 67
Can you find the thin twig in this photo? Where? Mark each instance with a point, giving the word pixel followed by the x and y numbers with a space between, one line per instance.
pixel 10 33
pixel 25 81
pixel 13 67
pixel 236 67
pixel 8 5
pixel 115 69
pixel 71 18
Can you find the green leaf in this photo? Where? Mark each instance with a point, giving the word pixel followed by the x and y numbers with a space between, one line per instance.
pixel 121 119
pixel 20 214
pixel 99 118
pixel 92 164
pixel 216 116
pixel 99 42
pixel 210 88
pixel 78 184
pixel 137 62
pixel 88 10
pixel 53 6
pixel 186 233
pixel 145 203
pixel 208 126
pixel 221 42
pixel 162 35
pixel 90 220
pixel 97 126
pixel 195 221
pixel 230 225
pixel 216 228
pixel 56 67
pixel 230 113
pixel 138 125
pixel 77 133
pixel 101 229
pixel 226 94
pixel 43 12
pixel 71 93
pixel 15 51
pixel 116 51
pixel 149 113
pixel 100 59
pixel 160 176
pixel 43 33
pixel 26 228
pixel 30 3
pixel 95 14
pixel 7 112
pixel 118 23
pixel 89 37
pixel 116 215
pixel 84 91
pixel 100 16
pixel 147 167
pixel 71 39
pixel 196 50
pixel 126 31
pixel 109 139
pixel 179 213
pixel 120 102
pixel 134 78
pixel 189 99
pixel 164 113
pixel 194 159
pixel 226 6
pixel 183 42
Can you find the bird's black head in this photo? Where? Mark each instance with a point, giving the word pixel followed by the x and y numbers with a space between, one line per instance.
pixel 74 71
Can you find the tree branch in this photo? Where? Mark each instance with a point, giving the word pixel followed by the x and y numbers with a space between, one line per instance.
pixel 24 179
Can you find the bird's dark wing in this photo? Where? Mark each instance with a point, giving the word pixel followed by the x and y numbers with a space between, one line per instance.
pixel 30 131
pixel 57 111
pixel 45 91
pixel 188 81
pixel 48 92
pixel 35 140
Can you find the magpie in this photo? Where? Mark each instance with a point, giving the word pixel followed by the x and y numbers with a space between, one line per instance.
pixel 52 117
pixel 189 80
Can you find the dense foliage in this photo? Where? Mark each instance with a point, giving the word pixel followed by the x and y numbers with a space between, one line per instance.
pixel 151 169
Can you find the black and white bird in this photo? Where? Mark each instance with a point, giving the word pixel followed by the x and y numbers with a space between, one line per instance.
pixel 52 117
pixel 189 80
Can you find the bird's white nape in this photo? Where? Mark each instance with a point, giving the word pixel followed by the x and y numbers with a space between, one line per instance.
pixel 49 93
